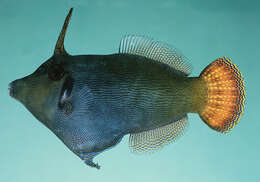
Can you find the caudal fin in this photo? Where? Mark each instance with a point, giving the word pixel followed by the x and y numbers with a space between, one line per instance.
pixel 225 95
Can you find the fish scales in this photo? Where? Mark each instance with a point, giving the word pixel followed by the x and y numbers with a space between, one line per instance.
pixel 139 92
pixel 90 102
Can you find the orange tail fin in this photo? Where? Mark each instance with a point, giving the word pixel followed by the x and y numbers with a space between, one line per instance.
pixel 226 95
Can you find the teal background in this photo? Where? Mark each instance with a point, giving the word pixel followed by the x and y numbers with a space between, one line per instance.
pixel 202 29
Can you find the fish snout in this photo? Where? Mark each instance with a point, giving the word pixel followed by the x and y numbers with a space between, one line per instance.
pixel 14 87
pixel 10 89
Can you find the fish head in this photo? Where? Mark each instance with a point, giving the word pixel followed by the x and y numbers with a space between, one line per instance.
pixel 58 95
pixel 46 89
pixel 62 94
pixel 40 91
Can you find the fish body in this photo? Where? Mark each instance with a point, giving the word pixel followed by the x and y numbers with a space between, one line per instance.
pixel 91 101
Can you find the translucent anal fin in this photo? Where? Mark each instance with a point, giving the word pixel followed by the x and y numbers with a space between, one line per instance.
pixel 151 140
pixel 158 51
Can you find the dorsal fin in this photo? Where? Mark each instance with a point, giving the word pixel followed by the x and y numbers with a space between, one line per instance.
pixel 151 140
pixel 59 48
pixel 159 51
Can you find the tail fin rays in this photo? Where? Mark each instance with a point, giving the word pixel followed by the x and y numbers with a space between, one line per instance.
pixel 226 95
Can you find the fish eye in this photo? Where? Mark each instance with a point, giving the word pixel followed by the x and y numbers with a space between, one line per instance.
pixel 56 72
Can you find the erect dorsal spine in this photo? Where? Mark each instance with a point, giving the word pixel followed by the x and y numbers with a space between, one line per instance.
pixel 59 48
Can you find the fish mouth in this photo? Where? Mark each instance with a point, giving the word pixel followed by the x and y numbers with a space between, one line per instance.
pixel 16 89
pixel 11 90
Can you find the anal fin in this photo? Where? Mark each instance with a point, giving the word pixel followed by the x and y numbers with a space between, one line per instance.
pixel 151 140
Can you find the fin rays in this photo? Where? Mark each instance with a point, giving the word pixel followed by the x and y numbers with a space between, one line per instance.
pixel 151 140
pixel 226 95
pixel 158 51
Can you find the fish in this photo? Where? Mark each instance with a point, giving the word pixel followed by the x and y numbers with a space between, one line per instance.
pixel 90 102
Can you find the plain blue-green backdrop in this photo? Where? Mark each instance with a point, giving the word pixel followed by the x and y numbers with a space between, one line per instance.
pixel 202 29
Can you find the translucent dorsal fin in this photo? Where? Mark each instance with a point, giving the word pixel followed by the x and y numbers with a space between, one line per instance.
pixel 151 140
pixel 159 51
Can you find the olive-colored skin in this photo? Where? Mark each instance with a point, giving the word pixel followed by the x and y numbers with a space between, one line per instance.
pixel 110 96
pixel 91 101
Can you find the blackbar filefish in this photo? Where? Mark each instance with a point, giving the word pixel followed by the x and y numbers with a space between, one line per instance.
pixel 91 101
